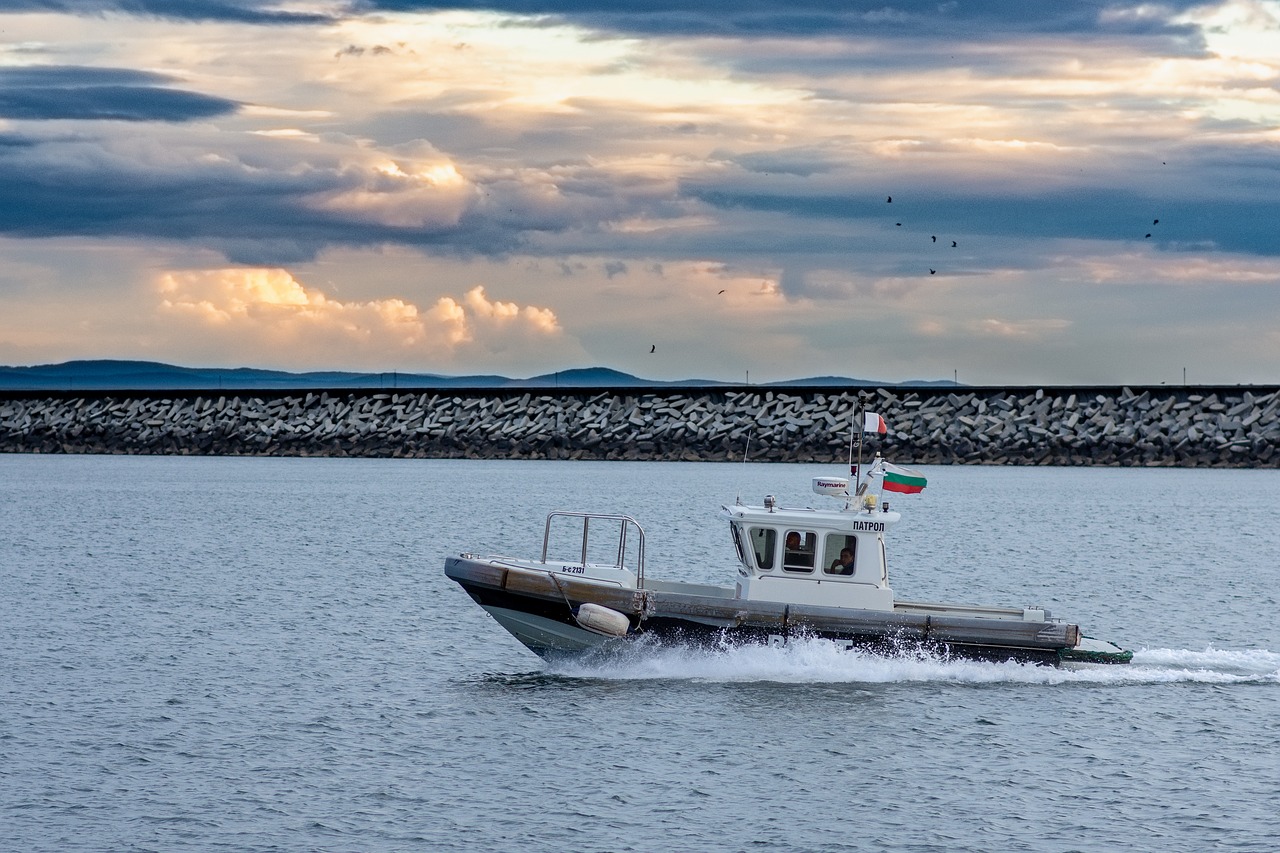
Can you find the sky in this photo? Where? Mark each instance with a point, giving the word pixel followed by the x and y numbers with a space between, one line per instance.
pixel 992 192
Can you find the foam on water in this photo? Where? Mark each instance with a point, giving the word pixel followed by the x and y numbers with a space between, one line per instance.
pixel 821 661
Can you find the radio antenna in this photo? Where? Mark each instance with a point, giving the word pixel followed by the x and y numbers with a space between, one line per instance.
pixel 745 453
pixel 855 438
pixel 853 431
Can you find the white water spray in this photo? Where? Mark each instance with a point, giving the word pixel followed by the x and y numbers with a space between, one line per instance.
pixel 815 661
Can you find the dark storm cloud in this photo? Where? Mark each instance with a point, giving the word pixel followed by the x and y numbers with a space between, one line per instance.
pixel 266 212
pixel 247 11
pixel 926 28
pixel 117 103
pixel 952 19
pixel 248 221
pixel 261 207
pixel 757 18
pixel 1188 219
pixel 119 94
pixel 12 140
pixel 77 75
pixel 89 193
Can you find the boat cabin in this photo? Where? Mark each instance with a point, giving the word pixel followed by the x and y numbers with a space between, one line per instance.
pixel 832 557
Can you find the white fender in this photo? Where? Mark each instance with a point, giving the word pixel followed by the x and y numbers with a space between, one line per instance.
pixel 602 620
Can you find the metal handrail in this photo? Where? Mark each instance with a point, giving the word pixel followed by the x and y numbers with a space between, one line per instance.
pixel 586 517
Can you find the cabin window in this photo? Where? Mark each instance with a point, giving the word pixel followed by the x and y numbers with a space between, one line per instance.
pixel 763 541
pixel 799 548
pixel 734 534
pixel 834 558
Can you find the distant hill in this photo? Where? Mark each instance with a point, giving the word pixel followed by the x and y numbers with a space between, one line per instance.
pixel 597 377
pixel 113 375
pixel 117 375
pixel 824 381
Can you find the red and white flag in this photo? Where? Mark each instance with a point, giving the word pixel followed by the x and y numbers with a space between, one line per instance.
pixel 871 422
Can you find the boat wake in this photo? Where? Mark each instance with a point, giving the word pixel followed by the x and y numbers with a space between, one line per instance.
pixel 821 661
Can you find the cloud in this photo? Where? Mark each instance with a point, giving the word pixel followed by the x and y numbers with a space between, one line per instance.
pixel 1192 214
pixel 839 285
pixel 47 93
pixel 1034 328
pixel 500 316
pixel 269 312
pixel 246 11
pixel 257 199
pixel 576 135
pixel 407 192
pixel 273 302
pixel 1188 269
pixel 907 19
pixel 658 154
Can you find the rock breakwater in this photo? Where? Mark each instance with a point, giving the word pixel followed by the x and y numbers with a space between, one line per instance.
pixel 1223 427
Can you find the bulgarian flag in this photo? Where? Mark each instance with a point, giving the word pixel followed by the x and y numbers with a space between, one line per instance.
pixel 898 479
pixel 871 422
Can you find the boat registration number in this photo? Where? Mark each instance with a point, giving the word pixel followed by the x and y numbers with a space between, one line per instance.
pixel 574 570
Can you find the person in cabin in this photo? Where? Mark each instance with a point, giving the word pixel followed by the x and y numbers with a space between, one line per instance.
pixel 843 565
pixel 798 552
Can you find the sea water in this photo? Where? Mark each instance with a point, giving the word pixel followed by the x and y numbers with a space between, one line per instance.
pixel 264 654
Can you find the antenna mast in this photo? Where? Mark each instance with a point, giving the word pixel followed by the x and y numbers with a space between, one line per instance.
pixel 745 453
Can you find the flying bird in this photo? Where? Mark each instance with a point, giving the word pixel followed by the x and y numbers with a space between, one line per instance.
pixel 889 200
pixel 719 293
pixel 899 224
pixel 1155 222
pixel 953 244
pixel 652 347
pixel 935 238
pixel 933 272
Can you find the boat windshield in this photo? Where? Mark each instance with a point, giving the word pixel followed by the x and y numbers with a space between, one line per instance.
pixel 763 542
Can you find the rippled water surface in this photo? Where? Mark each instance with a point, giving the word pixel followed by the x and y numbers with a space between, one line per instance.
pixel 264 654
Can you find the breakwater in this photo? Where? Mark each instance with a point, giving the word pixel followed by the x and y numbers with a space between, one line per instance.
pixel 1218 427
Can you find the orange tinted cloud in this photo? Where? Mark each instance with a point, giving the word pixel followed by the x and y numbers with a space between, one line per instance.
pixel 268 310
pixel 402 192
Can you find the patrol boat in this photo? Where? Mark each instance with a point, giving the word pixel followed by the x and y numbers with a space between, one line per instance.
pixel 801 572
